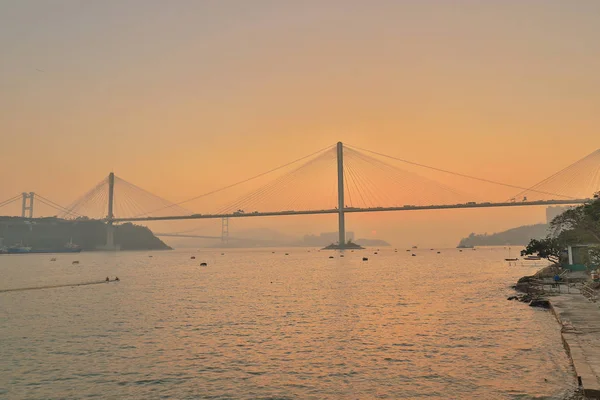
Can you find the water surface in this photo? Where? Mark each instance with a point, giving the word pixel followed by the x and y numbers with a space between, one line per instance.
pixel 257 324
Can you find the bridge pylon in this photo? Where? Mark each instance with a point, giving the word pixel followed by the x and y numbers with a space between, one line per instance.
pixel 110 228
pixel 27 208
pixel 341 219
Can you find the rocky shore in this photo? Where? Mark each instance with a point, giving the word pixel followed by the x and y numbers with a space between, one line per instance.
pixel 578 315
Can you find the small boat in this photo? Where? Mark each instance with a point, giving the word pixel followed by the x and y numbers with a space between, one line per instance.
pixel 509 258
pixel 18 249
pixel 532 258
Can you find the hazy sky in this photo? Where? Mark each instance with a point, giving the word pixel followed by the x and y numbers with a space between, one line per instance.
pixel 181 97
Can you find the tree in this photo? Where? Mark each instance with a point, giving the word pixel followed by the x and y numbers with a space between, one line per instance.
pixel 579 224
pixel 550 248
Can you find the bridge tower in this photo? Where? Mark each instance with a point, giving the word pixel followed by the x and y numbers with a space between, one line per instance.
pixel 110 229
pixel 225 230
pixel 341 205
pixel 27 208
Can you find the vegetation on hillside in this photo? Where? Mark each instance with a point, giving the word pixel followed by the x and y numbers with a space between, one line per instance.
pixel 514 237
pixel 579 225
pixel 53 233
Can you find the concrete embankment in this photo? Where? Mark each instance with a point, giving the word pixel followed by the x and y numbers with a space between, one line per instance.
pixel 580 320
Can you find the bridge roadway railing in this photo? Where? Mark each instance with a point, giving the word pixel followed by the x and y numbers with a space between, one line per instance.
pixel 353 210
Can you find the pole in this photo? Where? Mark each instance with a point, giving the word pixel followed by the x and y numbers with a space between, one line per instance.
pixel 341 205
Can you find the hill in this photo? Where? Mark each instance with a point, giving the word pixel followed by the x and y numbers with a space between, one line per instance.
pixel 519 236
pixel 52 233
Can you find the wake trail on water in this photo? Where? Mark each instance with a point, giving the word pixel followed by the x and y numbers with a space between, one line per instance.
pixel 54 286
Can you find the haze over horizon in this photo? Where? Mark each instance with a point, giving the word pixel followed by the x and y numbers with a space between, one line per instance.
pixel 185 97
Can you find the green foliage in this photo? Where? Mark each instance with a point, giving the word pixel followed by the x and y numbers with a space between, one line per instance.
pixel 580 224
pixel 549 248
pixel 576 225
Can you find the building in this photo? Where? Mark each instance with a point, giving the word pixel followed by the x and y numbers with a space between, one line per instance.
pixel 581 257
pixel 554 211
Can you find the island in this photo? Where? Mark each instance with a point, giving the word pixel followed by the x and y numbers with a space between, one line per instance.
pixel 348 246
pixel 89 235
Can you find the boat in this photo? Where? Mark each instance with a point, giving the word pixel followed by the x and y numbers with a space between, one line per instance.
pixel 18 249
pixel 532 258
pixel 510 258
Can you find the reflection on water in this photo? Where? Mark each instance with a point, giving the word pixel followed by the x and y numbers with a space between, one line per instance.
pixel 253 324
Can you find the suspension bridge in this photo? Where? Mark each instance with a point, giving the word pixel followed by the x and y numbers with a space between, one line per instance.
pixel 336 180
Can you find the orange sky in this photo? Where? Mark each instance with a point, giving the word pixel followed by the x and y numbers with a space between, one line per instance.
pixel 184 97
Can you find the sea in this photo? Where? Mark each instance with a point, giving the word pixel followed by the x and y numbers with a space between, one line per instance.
pixel 275 324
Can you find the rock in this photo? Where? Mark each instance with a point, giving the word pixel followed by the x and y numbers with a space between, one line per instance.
pixel 525 279
pixel 513 298
pixel 539 303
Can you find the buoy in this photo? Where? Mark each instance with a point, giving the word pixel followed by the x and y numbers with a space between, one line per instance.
pixel 222 254
pixel 53 259
pixel 341 255
pixel 407 250
pixel 203 264
pixel 287 254
pixel 192 258
pixel 330 256
pixel 365 259
pixel 414 255
pixel 375 253
pixel 460 251
pixel 439 252
pixel 75 262
pixel 150 256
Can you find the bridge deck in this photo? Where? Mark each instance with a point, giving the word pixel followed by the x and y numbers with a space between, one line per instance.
pixel 355 210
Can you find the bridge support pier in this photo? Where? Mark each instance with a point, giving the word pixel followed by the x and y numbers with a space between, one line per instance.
pixel 341 205
pixel 225 230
